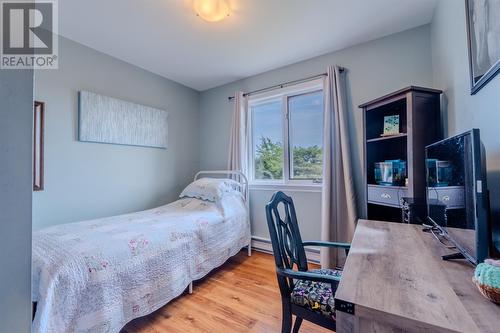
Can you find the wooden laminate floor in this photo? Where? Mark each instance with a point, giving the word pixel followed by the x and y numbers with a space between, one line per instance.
pixel 240 296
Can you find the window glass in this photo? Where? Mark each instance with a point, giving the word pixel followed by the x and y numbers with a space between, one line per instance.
pixel 305 113
pixel 267 137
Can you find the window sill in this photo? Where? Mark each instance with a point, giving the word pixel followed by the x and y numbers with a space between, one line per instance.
pixel 286 187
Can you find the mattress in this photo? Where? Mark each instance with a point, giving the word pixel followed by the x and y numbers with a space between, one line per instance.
pixel 97 275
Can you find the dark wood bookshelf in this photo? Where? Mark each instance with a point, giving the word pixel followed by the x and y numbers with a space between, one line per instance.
pixel 419 114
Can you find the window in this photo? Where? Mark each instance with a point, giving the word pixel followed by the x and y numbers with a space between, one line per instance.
pixel 286 130
pixel 305 121
pixel 267 125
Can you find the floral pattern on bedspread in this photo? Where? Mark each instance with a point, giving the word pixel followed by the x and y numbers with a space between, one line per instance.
pixel 95 276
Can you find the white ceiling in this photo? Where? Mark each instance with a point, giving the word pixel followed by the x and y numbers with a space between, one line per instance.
pixel 167 38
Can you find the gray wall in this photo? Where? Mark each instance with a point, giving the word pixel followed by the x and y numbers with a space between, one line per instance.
pixel 462 111
pixel 374 69
pixel 16 126
pixel 90 180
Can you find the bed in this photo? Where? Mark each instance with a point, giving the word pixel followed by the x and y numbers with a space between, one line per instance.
pixel 97 275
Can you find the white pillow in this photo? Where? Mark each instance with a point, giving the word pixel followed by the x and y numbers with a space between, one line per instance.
pixel 211 189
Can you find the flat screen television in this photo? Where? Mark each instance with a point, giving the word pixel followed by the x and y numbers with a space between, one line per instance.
pixel 457 195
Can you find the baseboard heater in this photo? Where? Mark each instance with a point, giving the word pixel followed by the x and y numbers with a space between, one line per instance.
pixel 264 245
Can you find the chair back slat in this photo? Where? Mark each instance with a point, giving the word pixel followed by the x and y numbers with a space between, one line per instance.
pixel 285 237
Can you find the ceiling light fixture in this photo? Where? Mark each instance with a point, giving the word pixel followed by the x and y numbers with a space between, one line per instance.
pixel 212 10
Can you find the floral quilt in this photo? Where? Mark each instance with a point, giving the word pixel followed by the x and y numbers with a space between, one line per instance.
pixel 97 275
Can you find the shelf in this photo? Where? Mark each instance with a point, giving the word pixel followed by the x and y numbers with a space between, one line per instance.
pixel 383 138
pixel 389 186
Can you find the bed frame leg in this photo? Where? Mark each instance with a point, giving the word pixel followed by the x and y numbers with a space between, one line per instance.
pixel 190 288
pixel 249 250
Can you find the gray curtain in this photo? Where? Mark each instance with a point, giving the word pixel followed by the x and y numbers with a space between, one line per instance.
pixel 238 156
pixel 338 215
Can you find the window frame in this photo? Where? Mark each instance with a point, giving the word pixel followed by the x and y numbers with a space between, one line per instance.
pixel 283 94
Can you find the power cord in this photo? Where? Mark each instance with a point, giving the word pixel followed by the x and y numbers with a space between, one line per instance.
pixel 438 237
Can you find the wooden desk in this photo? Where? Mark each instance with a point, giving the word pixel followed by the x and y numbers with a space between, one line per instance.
pixel 395 281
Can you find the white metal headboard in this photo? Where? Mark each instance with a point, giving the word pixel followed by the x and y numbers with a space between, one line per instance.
pixel 238 177
pixel 242 180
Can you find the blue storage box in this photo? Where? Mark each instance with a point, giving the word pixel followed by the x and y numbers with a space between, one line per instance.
pixel 390 172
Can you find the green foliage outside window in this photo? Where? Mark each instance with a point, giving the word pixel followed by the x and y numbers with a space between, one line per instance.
pixel 269 160
pixel 307 161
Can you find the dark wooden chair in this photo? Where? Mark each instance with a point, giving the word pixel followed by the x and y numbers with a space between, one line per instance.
pixel 307 294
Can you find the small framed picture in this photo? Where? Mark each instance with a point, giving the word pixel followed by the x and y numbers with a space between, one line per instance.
pixel 38 133
pixel 391 125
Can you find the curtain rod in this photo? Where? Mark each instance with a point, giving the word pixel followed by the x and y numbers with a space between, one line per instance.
pixel 282 85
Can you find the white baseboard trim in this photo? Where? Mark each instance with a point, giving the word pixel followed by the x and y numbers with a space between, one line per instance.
pixel 264 245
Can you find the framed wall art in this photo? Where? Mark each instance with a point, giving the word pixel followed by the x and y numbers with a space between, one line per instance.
pixel 483 32
pixel 38 138
pixel 105 119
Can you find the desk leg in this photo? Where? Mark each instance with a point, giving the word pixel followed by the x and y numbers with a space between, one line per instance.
pixel 346 323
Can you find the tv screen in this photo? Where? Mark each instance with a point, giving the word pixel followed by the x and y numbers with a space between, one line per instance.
pixel 457 198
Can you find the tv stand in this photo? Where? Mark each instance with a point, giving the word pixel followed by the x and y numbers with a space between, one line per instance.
pixel 427 228
pixel 453 256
